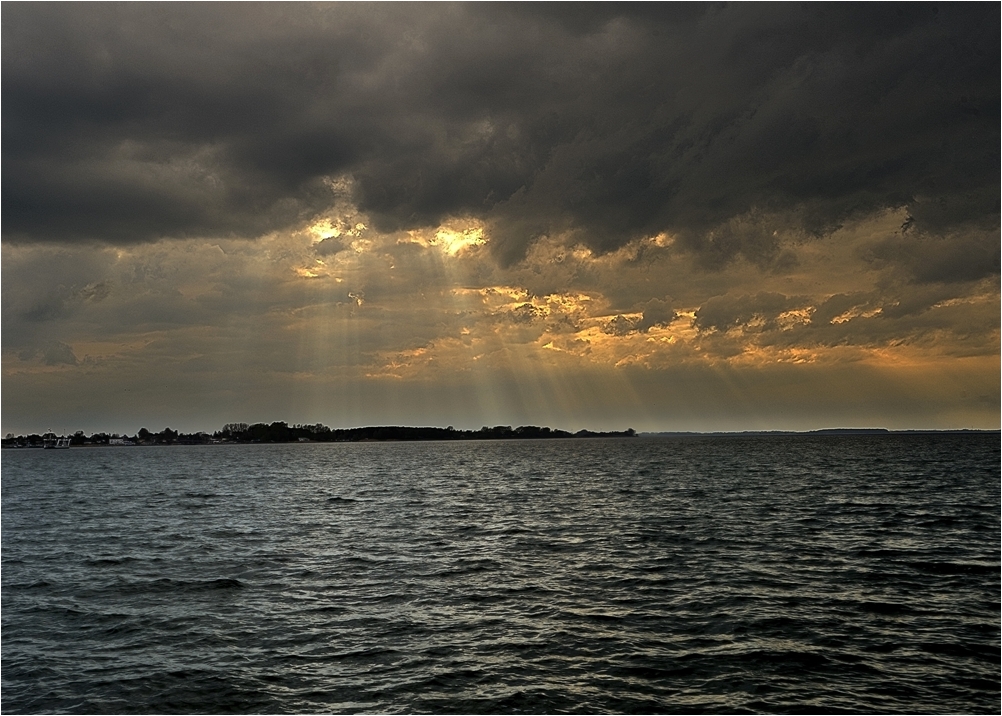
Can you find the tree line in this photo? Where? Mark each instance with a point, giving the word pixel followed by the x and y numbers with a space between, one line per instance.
pixel 281 432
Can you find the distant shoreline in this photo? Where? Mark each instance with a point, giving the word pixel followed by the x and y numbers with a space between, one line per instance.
pixel 282 433
pixel 821 432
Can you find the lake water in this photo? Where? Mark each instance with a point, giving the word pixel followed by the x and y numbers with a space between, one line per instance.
pixel 654 575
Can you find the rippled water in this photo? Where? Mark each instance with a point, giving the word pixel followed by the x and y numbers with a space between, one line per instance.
pixel 653 575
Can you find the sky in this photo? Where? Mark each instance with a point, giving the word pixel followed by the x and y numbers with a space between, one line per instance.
pixel 666 217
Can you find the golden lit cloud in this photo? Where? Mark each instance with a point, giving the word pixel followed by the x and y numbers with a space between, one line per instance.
pixel 338 301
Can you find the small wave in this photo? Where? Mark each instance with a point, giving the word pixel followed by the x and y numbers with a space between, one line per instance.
pixel 952 568
pixel 329 609
pixel 977 651
pixel 653 672
pixel 883 608
pixel 165 584
pixel 220 584
pixel 390 598
pixel 788 658
pixel 593 616
pixel 340 500
pixel 464 566
pixel 370 653
pixel 107 561
pixel 40 584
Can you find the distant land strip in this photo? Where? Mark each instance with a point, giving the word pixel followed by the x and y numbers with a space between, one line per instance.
pixel 280 432
pixel 823 431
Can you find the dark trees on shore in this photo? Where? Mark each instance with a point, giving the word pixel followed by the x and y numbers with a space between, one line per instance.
pixel 281 432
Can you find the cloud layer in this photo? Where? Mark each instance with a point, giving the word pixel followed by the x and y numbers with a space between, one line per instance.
pixel 679 216
pixel 131 123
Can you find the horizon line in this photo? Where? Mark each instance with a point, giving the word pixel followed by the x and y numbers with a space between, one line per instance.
pixel 638 433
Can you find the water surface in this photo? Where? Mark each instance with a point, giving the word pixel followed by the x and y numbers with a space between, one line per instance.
pixel 759 574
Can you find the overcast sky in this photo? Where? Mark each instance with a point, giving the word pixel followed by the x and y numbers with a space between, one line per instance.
pixel 665 217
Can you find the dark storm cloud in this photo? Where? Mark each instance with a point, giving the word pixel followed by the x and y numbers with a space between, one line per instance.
pixel 52 353
pixel 126 123
pixel 654 313
pixel 724 312
pixel 49 287
pixel 330 246
pixel 947 259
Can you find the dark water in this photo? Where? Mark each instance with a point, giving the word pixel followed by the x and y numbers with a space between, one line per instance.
pixel 776 574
